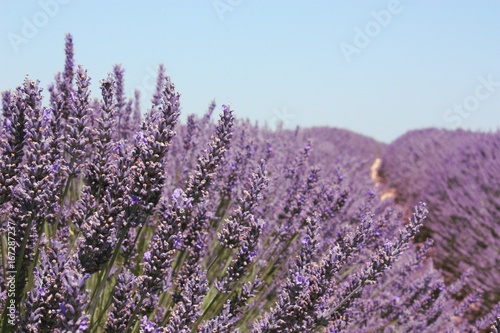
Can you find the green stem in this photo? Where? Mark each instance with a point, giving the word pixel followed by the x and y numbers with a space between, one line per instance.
pixel 205 313
pixel 61 200
pixel 103 277
pixel 217 256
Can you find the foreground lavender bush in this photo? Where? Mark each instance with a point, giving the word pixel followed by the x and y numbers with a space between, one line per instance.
pixel 114 226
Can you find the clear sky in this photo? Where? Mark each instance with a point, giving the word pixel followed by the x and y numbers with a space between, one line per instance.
pixel 379 68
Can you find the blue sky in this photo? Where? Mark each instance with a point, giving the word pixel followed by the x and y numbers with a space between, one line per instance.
pixel 379 68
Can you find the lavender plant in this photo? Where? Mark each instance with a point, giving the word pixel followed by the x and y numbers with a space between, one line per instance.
pixel 117 224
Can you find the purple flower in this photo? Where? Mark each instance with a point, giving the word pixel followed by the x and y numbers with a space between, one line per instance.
pixel 134 200
pixel 178 194
pixel 55 167
pixel 147 326
pixel 62 308
pixel 7 125
pixel 306 240
pixel 140 138
pixel 302 280
pixel 47 116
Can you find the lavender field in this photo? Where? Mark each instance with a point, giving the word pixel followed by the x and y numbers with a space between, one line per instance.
pixel 118 217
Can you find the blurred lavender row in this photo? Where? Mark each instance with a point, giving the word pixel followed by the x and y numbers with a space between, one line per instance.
pixel 458 174
pixel 130 221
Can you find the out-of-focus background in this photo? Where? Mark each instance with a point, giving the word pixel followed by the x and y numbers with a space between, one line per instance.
pixel 379 68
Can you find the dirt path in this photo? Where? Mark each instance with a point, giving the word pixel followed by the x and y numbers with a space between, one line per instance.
pixel 387 193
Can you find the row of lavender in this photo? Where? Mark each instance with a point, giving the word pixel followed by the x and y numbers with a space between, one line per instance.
pixel 123 225
pixel 457 173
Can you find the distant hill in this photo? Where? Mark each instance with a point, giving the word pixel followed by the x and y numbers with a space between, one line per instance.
pixel 352 152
